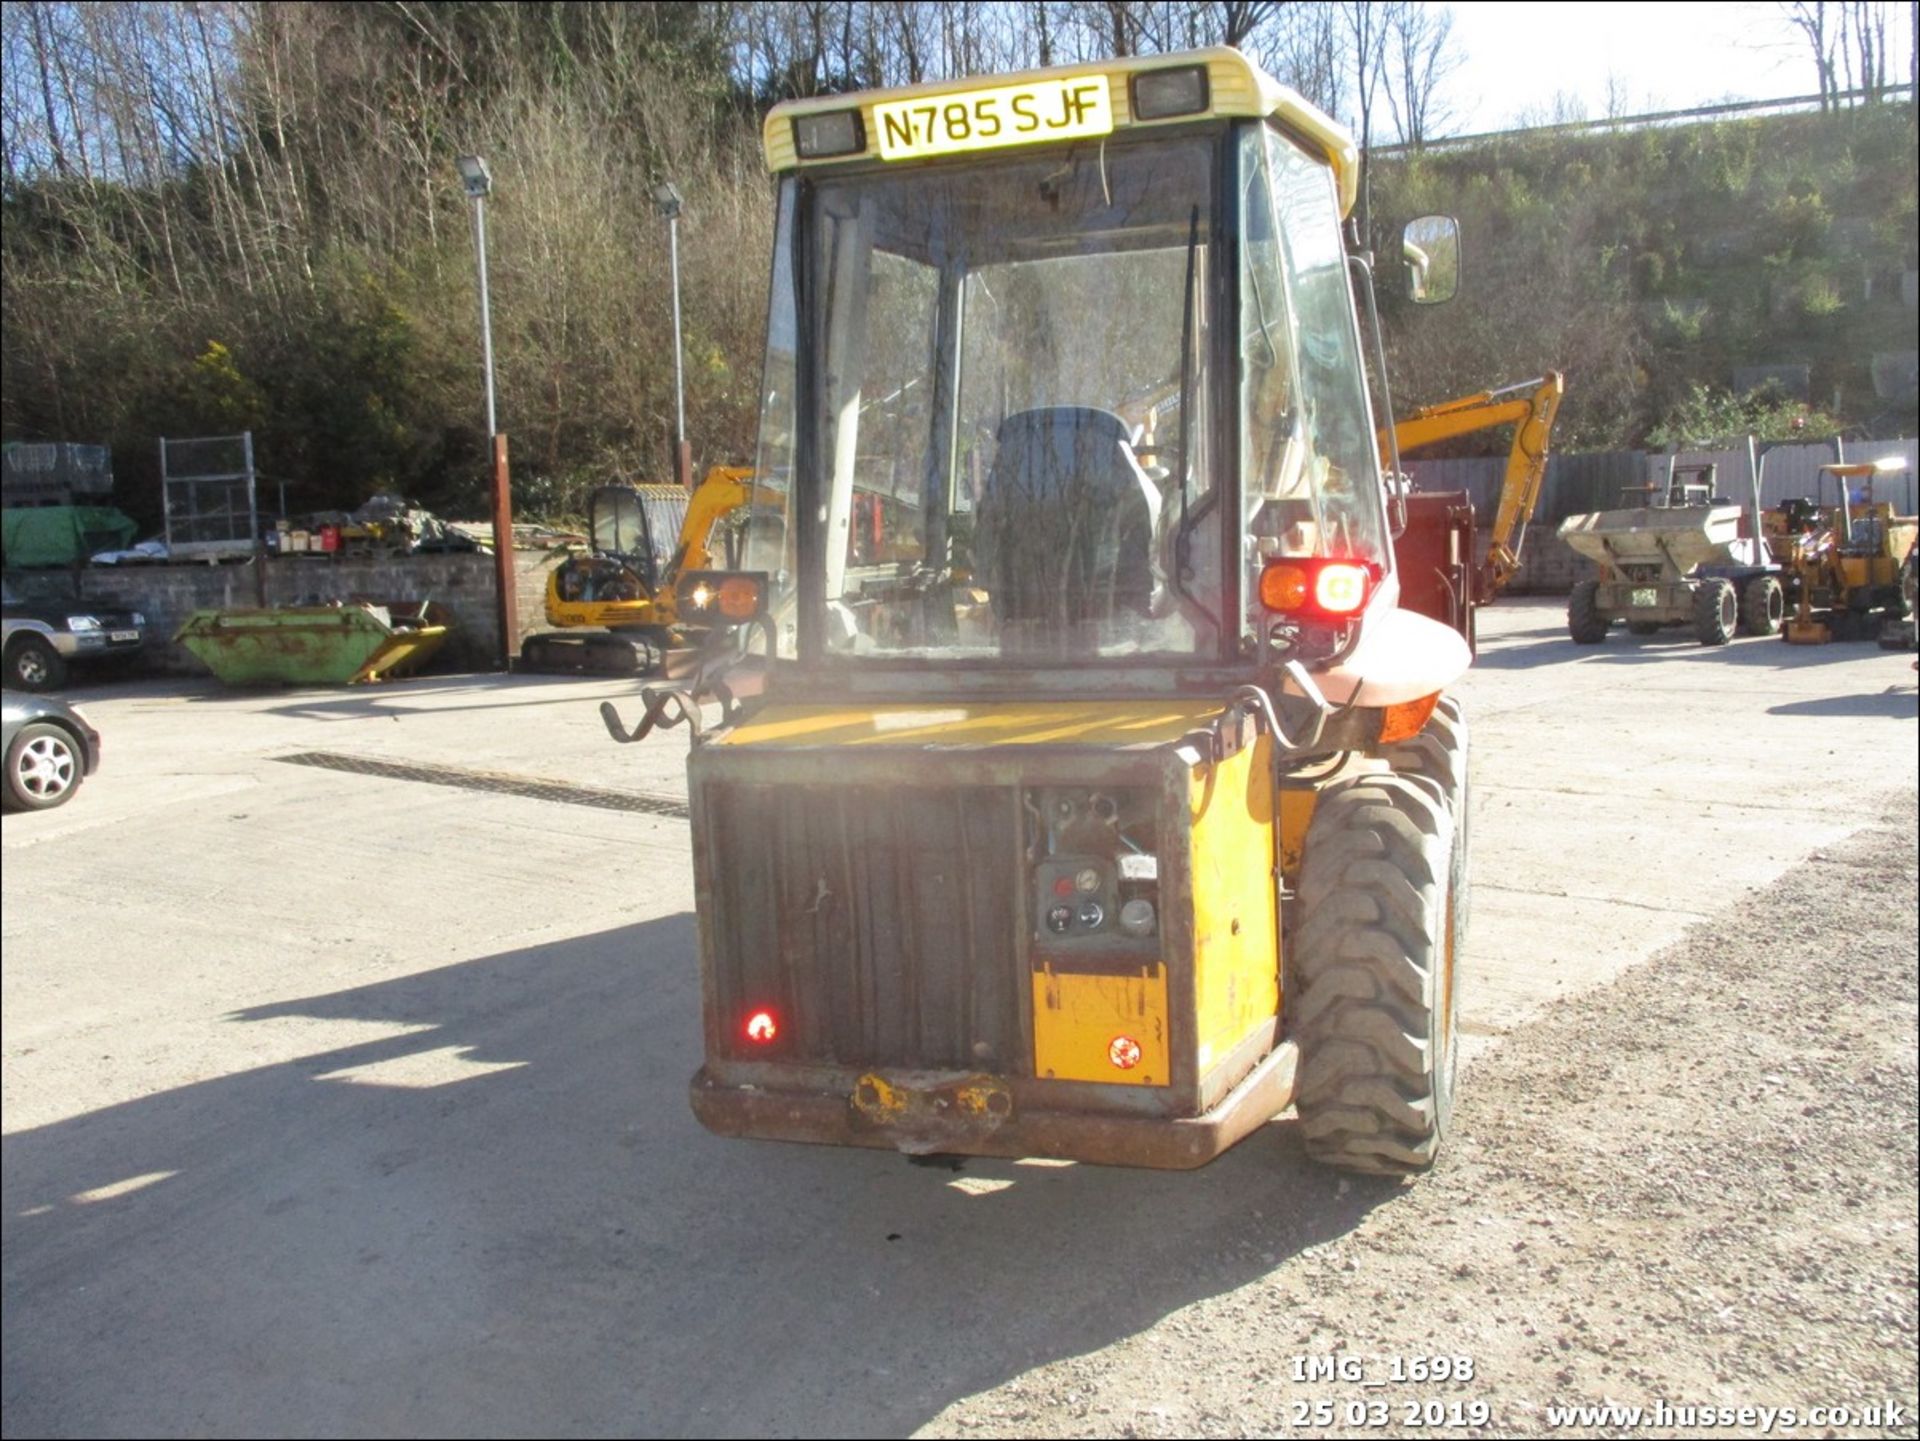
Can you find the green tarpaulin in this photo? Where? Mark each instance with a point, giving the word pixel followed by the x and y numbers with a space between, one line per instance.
pixel 63 534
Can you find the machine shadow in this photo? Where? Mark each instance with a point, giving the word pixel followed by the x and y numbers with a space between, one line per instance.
pixel 1764 652
pixel 1893 704
pixel 490 1210
pixel 388 699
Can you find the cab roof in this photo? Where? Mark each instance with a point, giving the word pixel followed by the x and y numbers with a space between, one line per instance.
pixel 1236 87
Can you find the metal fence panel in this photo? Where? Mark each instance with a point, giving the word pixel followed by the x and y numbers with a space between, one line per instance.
pixel 207 492
pixel 1573 485
pixel 1788 471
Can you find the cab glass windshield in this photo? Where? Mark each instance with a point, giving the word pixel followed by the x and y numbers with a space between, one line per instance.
pixel 1309 458
pixel 1009 363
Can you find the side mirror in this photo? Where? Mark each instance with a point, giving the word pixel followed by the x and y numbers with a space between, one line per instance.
pixel 1430 247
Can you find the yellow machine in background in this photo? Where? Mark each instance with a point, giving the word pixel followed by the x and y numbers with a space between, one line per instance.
pixel 1435 550
pixel 1843 560
pixel 1529 407
pixel 643 539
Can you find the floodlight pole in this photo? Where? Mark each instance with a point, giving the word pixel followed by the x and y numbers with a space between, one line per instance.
pixel 667 198
pixel 478 182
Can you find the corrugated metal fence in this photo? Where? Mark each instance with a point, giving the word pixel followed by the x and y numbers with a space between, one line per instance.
pixel 1574 484
pixel 1787 471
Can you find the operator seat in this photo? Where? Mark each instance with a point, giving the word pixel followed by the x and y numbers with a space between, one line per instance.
pixel 1064 530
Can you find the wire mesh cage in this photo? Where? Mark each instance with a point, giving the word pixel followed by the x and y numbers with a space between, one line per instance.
pixel 208 487
pixel 54 472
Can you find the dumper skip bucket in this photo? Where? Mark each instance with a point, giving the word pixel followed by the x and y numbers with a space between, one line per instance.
pixel 311 645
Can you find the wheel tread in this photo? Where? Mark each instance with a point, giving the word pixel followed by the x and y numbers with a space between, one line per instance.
pixel 1373 892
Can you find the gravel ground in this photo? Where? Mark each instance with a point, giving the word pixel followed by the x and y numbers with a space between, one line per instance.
pixel 1694 1186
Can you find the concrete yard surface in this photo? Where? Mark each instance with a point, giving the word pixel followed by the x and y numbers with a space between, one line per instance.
pixel 347 1034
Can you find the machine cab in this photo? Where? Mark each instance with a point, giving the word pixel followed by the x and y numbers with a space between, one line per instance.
pixel 1057 371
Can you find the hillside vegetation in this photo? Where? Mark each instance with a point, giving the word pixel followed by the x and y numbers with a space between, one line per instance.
pixel 1654 263
pixel 295 255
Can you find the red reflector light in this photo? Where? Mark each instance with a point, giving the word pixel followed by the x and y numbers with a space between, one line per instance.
pixel 1124 1052
pixel 1316 587
pixel 762 1027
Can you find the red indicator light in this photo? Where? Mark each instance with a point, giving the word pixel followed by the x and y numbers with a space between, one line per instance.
pixel 1063 885
pixel 1340 589
pixel 762 1027
pixel 1124 1052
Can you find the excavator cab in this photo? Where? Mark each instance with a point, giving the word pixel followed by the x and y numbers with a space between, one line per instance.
pixel 638 526
pixel 616 602
pixel 1095 797
pixel 616 582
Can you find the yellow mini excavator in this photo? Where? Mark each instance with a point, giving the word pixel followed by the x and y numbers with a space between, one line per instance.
pixel 614 603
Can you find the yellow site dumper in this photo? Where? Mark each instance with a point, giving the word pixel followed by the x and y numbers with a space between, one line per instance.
pixel 1080 787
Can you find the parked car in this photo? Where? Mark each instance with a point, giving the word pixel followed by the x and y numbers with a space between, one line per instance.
pixel 50 749
pixel 42 638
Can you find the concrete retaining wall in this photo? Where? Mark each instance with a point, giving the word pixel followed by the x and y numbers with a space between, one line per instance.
pixel 168 594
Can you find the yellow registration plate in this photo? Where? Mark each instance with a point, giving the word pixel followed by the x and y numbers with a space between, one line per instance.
pixel 987 119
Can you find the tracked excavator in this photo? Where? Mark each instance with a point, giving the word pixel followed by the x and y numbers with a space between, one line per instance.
pixel 614 604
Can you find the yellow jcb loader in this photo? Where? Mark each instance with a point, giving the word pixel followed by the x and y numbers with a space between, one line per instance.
pixel 1098 797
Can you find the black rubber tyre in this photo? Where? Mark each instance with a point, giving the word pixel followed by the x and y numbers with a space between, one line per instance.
pixel 1440 754
pixel 44 768
pixel 33 664
pixel 1763 606
pixel 1644 627
pixel 1372 1000
pixel 1716 612
pixel 1584 622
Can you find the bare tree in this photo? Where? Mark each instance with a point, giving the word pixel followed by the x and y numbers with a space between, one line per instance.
pixel 1306 47
pixel 1419 54
pixel 1364 25
pixel 1865 35
pixel 1810 18
pixel 1237 21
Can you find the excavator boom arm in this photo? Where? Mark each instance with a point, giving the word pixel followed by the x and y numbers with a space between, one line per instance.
pixel 725 488
pixel 1530 408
